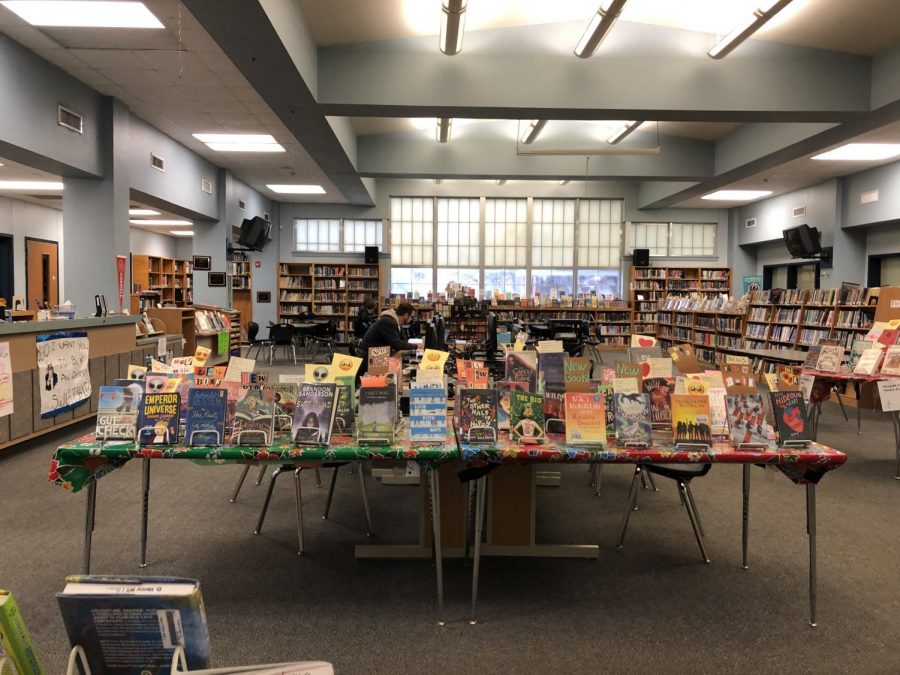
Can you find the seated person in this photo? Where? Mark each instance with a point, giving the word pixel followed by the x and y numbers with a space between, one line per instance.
pixel 365 318
pixel 386 333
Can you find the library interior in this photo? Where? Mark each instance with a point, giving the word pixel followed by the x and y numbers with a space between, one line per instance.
pixel 500 276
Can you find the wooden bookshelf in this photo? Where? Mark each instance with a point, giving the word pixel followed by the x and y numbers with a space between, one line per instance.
pixel 242 288
pixel 209 322
pixel 169 279
pixel 648 285
pixel 184 283
pixel 710 326
pixel 178 320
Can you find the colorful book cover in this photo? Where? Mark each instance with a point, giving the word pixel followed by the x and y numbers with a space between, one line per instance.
pixel 830 359
pixel 550 368
pixel 554 407
pixel 889 336
pixel 747 420
pixel 577 373
pixel 377 414
pixel 427 412
pixel 134 624
pixel 206 416
pixel 812 357
pixel 285 395
pixel 159 420
pixel 691 419
pixel 346 399
pixel 609 408
pixel 868 361
pixel 136 387
pixel 522 367
pixel 478 416
pixel 790 417
pixel 718 411
pixel 633 419
pixel 891 363
pixel 15 641
pixel 504 389
pixel 254 415
pixel 314 414
pixel 659 389
pixel 788 376
pixel 367 380
pixel 117 414
pixel 585 419
pixel 433 359
pixel 378 359
pixel 526 417
pixel 859 346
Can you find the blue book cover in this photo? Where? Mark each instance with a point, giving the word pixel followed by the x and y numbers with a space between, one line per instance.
pixel 117 413
pixel 206 416
pixel 134 624
pixel 159 420
pixel 550 369
pixel 427 412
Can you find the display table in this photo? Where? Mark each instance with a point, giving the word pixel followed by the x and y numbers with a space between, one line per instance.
pixel 804 466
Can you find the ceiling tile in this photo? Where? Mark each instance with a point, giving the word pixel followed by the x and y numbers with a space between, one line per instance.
pixel 114 59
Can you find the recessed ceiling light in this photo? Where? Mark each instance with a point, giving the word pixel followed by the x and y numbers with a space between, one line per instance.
pixel 453 24
pixel 164 221
pixel 860 152
pixel 182 233
pixel 623 131
pixel 736 195
pixel 533 131
pixel 297 189
pixel 30 185
pixel 142 212
pixel 240 142
pixel 84 14
pixel 444 126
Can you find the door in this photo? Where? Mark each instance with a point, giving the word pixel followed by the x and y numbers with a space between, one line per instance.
pixel 42 271
pixel 6 268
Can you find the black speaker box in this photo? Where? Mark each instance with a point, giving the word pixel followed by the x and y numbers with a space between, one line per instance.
pixel 640 257
pixel 371 255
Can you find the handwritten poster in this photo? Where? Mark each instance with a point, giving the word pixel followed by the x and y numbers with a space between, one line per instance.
pixel 64 378
pixel 6 382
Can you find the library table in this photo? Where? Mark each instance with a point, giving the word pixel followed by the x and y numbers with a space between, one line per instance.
pixel 803 466
pixel 81 463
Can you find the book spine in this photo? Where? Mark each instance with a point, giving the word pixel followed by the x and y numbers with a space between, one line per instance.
pixel 15 640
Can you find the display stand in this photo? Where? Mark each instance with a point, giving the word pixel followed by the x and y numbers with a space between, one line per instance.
pixel 237 438
pixel 204 431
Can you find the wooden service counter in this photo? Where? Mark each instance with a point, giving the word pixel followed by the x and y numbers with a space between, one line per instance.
pixel 113 346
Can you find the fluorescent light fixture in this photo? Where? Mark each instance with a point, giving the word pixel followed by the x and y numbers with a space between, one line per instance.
pixel 2 164
pixel 444 126
pixel 624 131
pixel 297 189
pixel 143 212
pixel 30 185
pixel 747 27
pixel 182 233
pixel 861 152
pixel 533 131
pixel 240 142
pixel 84 14
pixel 564 182
pixel 736 195
pixel 598 28
pixel 453 24
pixel 161 221
pixel 501 181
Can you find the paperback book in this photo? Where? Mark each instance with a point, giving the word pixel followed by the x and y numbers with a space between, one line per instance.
pixel 691 419
pixel 504 390
pixel 478 416
pixel 891 363
pixel 789 410
pixel 344 404
pixel 609 408
pixel 718 411
pixel 555 408
pixel 254 415
pixel 427 412
pixel 830 359
pixel 377 414
pixel 659 389
pixel 15 641
pixel 585 419
pixel 314 414
pixel 747 420
pixel 205 423
pixel 812 357
pixel 856 351
pixel 633 419
pixel 522 367
pixel 526 417
pixel 159 420
pixel 550 369
pixel 285 395
pixel 117 414
pixel 868 361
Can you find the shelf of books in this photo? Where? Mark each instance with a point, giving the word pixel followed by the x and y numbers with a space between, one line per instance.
pixel 649 285
pixel 611 318
pixel 333 291
pixel 710 325
pixel 612 326
pixel 167 278
pixel 210 323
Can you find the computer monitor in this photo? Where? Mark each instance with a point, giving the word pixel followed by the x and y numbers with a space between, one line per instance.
pixel 431 339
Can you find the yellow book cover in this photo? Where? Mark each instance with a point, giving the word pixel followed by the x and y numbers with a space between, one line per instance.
pixel 585 419
pixel 15 642
pixel 691 419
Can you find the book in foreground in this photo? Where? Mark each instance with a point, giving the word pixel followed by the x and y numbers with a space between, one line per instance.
pixel 117 414
pixel 747 420
pixel 206 416
pixel 691 419
pixel 633 419
pixel 478 416
pixel 526 417
pixel 585 419
pixel 254 415
pixel 377 414
pixel 134 624
pixel 314 414
pixel 15 642
pixel 427 412
pixel 159 419
pixel 789 410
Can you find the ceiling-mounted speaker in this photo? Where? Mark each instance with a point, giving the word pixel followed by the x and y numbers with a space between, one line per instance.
pixel 640 257
pixel 371 255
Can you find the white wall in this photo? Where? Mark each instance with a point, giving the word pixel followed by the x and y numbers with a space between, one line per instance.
pixel 24 219
pixel 144 242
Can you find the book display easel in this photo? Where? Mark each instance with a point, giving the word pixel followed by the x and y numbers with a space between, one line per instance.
pixel 327 291
pixel 649 285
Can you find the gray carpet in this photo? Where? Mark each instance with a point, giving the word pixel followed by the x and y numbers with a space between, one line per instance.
pixel 653 605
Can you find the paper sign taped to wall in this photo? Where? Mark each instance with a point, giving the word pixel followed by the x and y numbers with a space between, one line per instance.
pixel 63 376
pixel 6 381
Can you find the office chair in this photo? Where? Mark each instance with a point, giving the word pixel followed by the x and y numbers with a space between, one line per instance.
pixel 253 341
pixel 323 336
pixel 682 474
pixel 282 335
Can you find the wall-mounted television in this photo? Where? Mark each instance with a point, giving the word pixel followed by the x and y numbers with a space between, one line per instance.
pixel 254 233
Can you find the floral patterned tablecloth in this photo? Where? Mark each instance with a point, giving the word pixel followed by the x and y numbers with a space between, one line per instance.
pixel 801 465
pixel 75 463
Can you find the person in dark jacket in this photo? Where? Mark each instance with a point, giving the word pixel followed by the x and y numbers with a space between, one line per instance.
pixel 365 318
pixel 386 333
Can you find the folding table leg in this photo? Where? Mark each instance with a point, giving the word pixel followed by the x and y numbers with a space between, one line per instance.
pixel 745 533
pixel 90 506
pixel 632 498
pixel 811 529
pixel 436 526
pixel 262 516
pixel 476 561
pixel 330 493
pixel 240 483
pixel 145 509
pixel 362 487
pixel 299 497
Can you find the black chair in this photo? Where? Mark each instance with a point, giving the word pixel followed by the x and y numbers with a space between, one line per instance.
pixel 282 335
pixel 572 332
pixel 682 474
pixel 323 337
pixel 252 341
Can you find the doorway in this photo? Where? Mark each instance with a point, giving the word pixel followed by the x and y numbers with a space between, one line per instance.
pixel 7 278
pixel 42 271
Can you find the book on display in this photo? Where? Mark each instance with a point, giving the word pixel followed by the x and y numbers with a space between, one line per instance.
pixel 609 408
pixel 427 412
pixel 633 419
pixel 205 424
pixel 117 414
pixel 478 416
pixel 254 415
pixel 314 414
pixel 691 419
pixel 504 390
pixel 344 416
pixel 659 389
pixel 550 368
pixel 891 363
pixel 377 414
pixel 791 421
pixel 830 359
pixel 526 417
pixel 15 641
pixel 856 351
pixel 747 420
pixel 868 361
pixel 285 395
pixel 160 419
pixel 585 419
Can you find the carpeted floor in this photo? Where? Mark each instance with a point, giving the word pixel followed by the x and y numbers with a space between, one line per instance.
pixel 651 606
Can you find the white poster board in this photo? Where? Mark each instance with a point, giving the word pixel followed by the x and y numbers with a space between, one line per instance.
pixel 6 381
pixel 889 392
pixel 64 379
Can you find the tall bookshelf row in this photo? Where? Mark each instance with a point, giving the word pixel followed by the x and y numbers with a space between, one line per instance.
pixel 168 279
pixel 331 291
pixel 712 328
pixel 649 285
pixel 611 323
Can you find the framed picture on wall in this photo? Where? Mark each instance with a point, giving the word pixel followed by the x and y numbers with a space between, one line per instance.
pixel 216 279
pixel 202 263
pixel 263 297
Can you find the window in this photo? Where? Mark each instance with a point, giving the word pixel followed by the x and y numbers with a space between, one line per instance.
pixel 415 280
pixel 505 235
pixel 601 282
pixel 546 281
pixel 463 276
pixel 506 281
pixel 654 236
pixel 317 235
pixel 457 232
pixel 599 238
pixel 693 240
pixel 361 233
pixel 553 233
pixel 412 231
